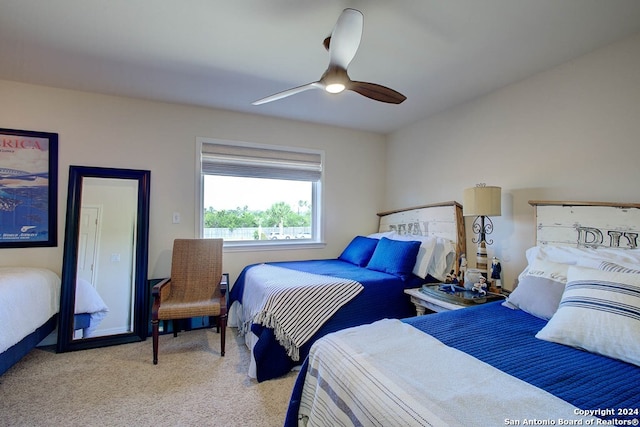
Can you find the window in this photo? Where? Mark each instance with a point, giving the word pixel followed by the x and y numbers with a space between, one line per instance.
pixel 259 195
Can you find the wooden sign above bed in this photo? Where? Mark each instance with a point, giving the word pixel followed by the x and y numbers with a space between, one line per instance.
pixel 438 219
pixel 587 224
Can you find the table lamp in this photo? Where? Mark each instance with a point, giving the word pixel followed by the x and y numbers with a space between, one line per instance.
pixel 482 201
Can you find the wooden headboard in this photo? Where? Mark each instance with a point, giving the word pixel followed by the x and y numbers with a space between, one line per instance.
pixel 587 224
pixel 439 219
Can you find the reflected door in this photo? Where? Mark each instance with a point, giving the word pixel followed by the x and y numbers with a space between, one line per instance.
pixel 88 242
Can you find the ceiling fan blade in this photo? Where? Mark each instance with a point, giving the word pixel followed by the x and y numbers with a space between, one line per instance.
pixel 377 92
pixel 289 92
pixel 345 38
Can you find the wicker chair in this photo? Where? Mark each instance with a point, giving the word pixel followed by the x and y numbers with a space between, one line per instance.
pixel 196 288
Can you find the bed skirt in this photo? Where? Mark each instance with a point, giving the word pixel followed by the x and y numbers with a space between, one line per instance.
pixel 16 352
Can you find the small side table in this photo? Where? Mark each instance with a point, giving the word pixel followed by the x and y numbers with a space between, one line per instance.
pixel 426 301
pixel 423 302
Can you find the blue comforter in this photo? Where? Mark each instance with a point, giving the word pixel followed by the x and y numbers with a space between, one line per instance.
pixel 383 297
pixel 506 339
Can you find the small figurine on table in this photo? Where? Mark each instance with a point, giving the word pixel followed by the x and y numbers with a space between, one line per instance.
pixel 463 267
pixel 496 270
pixel 481 286
pixel 451 278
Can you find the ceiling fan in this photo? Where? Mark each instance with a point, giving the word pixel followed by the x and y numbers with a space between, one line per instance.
pixel 342 46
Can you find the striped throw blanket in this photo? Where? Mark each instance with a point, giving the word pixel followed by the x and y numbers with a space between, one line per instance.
pixel 389 373
pixel 295 304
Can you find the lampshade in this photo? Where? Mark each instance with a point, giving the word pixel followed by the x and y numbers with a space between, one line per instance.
pixel 482 201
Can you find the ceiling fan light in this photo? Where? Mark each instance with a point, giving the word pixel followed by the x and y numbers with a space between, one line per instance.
pixel 334 88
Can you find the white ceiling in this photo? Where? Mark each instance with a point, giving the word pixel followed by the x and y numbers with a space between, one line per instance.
pixel 229 53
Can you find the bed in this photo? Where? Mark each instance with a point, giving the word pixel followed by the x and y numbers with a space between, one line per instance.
pixel 29 302
pixel 564 349
pixel 90 310
pixel 364 284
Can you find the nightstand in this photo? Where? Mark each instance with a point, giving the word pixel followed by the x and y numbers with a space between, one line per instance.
pixel 434 302
pixel 425 302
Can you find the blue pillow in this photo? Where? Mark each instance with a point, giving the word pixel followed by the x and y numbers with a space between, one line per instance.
pixel 359 251
pixel 395 257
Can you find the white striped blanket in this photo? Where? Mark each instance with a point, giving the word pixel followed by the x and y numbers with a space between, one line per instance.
pixel 295 304
pixel 390 374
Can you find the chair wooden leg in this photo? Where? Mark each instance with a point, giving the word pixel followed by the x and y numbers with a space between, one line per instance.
pixel 154 324
pixel 177 325
pixel 223 328
pixel 212 320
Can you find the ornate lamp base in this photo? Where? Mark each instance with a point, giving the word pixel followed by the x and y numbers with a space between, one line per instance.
pixel 481 257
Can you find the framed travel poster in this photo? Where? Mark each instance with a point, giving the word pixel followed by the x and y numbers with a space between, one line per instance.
pixel 28 188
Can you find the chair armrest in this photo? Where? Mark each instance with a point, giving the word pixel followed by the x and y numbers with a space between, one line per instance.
pixel 160 292
pixel 224 286
pixel 224 283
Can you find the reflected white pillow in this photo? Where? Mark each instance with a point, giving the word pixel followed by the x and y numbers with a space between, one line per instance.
pixel 599 312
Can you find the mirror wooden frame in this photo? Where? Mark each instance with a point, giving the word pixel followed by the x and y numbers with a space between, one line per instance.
pixel 68 292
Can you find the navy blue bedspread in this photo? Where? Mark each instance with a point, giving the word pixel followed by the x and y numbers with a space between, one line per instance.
pixel 383 297
pixel 505 338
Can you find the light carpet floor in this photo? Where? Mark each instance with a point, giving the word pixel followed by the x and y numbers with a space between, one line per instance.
pixel 119 386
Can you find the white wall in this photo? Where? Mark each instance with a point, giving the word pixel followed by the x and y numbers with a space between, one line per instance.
pixel 108 131
pixel 571 133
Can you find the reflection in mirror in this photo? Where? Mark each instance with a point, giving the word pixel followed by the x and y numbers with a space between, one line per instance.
pixel 106 263
pixel 104 294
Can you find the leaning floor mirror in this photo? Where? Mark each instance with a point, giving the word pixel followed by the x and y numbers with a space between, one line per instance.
pixel 104 297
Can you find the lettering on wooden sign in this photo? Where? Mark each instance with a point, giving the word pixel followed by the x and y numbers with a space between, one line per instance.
pixel 595 237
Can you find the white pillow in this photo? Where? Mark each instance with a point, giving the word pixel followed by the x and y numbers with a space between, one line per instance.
pixel 444 256
pixel 599 312
pixel 381 235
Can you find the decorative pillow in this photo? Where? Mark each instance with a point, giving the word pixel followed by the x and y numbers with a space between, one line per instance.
pixel 537 296
pixel 426 252
pixel 395 257
pixel 539 289
pixel 599 312
pixel 546 269
pixel 611 266
pixel 359 251
pixel 608 266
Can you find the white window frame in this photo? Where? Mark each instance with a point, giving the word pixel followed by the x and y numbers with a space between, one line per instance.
pixel 252 245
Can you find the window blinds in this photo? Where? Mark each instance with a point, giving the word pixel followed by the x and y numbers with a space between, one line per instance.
pixel 255 162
